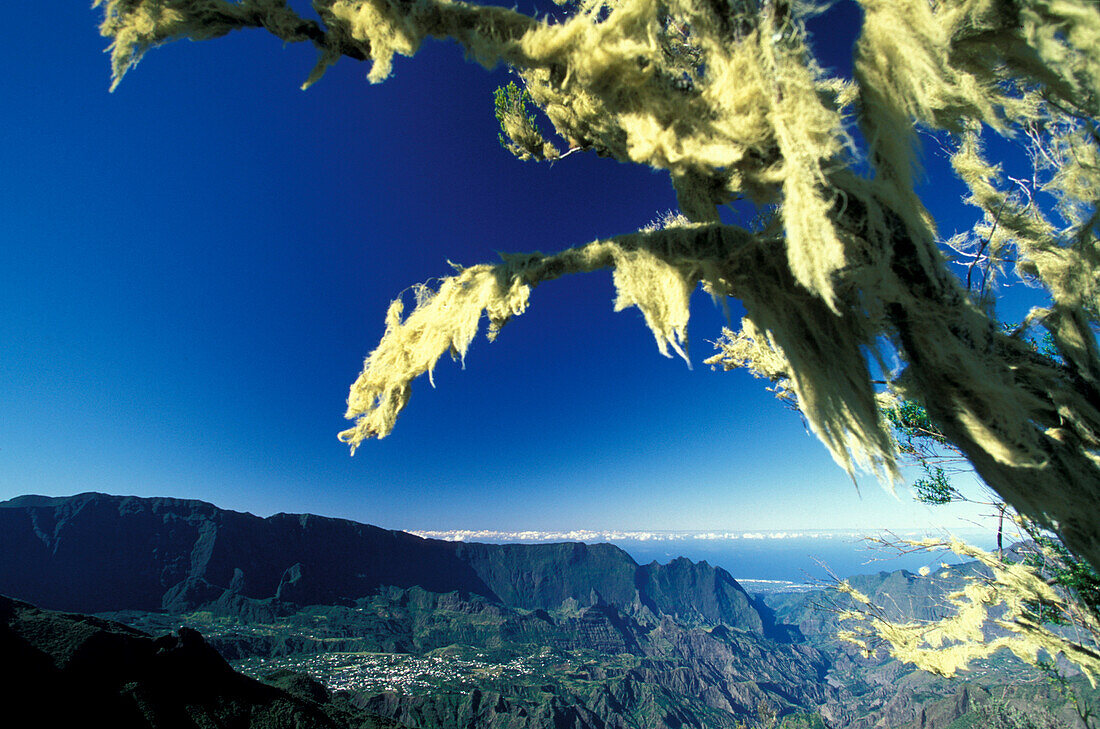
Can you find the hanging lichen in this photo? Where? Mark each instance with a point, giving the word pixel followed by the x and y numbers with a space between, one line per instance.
pixel 728 99
pixel 1003 600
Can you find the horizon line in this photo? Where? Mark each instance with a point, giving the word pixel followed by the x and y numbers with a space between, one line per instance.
pixel 674 535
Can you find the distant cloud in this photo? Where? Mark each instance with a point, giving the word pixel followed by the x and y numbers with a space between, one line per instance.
pixel 574 535
pixel 611 535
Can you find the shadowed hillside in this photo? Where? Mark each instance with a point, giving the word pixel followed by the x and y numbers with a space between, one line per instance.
pixel 63 670
pixel 440 635
pixel 99 553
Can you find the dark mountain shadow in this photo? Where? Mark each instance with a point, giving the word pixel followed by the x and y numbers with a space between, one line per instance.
pixel 62 669
pixel 97 553
pixel 773 629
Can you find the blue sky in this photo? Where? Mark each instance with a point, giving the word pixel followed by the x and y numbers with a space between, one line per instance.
pixel 194 267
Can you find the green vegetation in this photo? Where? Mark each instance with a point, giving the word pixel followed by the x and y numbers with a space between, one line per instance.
pixel 436 661
pixel 419 658
pixel 519 131
pixel 803 721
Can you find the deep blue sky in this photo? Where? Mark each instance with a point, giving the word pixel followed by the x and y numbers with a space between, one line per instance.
pixel 194 267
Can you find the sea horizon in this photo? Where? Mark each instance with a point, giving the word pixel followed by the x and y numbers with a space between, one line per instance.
pixel 767 559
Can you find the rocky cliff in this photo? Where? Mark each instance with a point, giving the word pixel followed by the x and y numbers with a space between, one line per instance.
pixel 97 553
pixel 440 635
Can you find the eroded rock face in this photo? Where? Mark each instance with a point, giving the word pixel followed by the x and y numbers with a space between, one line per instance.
pixel 99 553
pixel 677 645
pixel 697 592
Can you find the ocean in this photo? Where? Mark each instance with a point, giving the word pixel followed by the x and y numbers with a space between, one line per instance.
pixel 791 559
pixel 760 560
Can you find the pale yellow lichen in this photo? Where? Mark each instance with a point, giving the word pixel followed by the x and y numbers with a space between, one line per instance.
pixel 838 402
pixel 648 271
pixel 728 99
pixel 133 29
pixel 662 293
pixel 135 26
pixel 952 643
pixel 384 27
pixel 750 349
pixel 445 321
pixel 846 588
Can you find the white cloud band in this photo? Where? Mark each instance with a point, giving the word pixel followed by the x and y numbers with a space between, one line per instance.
pixel 590 536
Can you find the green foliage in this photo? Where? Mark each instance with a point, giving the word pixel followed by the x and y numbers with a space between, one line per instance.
pixel 913 427
pixel 999 714
pixel 1073 573
pixel 1064 569
pixel 934 488
pixel 519 130
pixel 1077 697
pixel 920 441
pixel 767 715
pixel 803 721
pixel 508 101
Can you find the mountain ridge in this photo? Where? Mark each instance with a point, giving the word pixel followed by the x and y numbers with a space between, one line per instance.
pixel 454 635
pixel 95 552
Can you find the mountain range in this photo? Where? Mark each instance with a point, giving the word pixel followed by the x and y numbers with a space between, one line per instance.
pixel 96 553
pixel 403 631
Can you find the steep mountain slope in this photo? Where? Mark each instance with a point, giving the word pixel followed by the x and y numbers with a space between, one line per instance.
pixel 97 553
pixel 678 644
pixel 440 635
pixel 63 670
